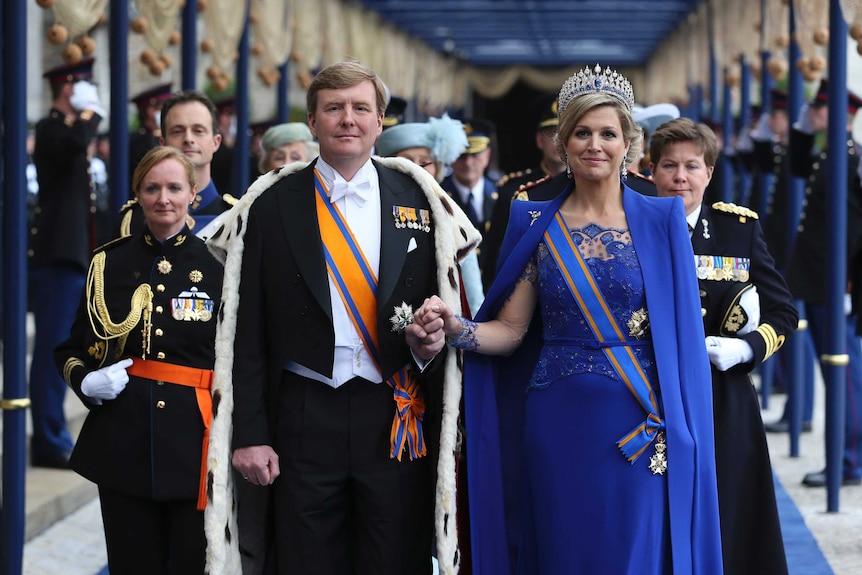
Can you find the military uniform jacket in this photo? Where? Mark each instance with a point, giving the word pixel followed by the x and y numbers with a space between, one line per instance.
pixel 807 268
pixel 146 442
pixel 63 227
pixel 751 535
pixel 772 158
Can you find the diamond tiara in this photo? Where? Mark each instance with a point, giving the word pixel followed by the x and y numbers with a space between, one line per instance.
pixel 594 82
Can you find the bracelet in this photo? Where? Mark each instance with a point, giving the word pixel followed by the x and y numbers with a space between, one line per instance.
pixel 466 339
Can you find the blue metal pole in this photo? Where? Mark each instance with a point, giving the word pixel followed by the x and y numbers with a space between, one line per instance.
pixel 189 45
pixel 744 119
pixel 15 401
pixel 283 85
pixel 764 179
pixel 795 195
pixel 835 359
pixel 241 147
pixel 118 174
pixel 698 111
pixel 713 66
pixel 727 135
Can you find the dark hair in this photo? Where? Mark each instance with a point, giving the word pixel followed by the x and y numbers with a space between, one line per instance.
pixel 684 130
pixel 344 75
pixel 185 97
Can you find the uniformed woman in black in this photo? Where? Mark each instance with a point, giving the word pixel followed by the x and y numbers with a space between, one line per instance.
pixel 733 265
pixel 140 357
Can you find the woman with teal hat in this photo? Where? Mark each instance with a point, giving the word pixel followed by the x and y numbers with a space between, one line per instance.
pixel 432 145
pixel 285 144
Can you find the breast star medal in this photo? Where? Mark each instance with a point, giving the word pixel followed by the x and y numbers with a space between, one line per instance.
pixel 658 462
pixel 164 267
pixel 196 276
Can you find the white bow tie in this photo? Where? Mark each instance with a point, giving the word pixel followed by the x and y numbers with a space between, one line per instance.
pixel 357 190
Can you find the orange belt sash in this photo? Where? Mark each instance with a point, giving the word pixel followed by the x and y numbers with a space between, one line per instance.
pixel 202 381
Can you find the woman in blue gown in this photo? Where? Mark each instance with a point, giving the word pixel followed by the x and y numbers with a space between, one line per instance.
pixel 589 422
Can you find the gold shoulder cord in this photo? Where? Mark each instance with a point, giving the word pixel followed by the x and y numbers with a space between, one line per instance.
pixel 141 305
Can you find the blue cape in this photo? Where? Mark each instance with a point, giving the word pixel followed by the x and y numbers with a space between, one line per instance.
pixel 494 390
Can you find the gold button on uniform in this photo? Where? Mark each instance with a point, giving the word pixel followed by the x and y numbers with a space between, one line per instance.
pixel 159 309
pixel 160 355
pixel 160 288
pixel 159 332
pixel 160 404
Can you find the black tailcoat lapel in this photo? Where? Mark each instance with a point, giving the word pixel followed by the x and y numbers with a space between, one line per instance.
pixel 299 218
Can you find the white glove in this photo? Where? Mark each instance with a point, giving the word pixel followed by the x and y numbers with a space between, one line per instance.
pixel 803 120
pixel 86 97
pixel 106 383
pixel 762 131
pixel 750 302
pixel 725 352
pixel 848 304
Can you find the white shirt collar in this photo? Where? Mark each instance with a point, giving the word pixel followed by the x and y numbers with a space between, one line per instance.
pixel 331 176
pixel 692 217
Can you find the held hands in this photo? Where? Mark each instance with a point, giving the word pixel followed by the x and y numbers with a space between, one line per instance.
pixel 426 335
pixel 106 383
pixel 86 97
pixel 726 352
pixel 258 464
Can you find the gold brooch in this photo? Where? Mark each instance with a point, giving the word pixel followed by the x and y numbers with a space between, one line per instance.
pixel 638 324
pixel 196 276
pixel 97 350
pixel 164 266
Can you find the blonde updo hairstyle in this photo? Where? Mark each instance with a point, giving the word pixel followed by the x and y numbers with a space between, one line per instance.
pixel 583 103
pixel 160 154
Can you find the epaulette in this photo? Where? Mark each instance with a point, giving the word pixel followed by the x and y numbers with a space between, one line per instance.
pixel 523 192
pixel 229 199
pixel 129 205
pixel 517 174
pixel 110 244
pixel 741 211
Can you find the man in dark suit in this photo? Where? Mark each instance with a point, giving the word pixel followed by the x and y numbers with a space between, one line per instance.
pixel 189 122
pixel 472 190
pixel 62 239
pixel 742 329
pixel 338 403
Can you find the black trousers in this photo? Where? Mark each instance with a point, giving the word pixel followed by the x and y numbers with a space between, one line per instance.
pixel 149 537
pixel 342 506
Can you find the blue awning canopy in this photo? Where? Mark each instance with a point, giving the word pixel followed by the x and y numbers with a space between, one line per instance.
pixel 542 33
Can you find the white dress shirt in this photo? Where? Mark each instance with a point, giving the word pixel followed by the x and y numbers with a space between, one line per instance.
pixel 363 218
pixel 474 196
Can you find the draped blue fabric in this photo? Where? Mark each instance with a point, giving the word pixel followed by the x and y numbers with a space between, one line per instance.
pixel 681 514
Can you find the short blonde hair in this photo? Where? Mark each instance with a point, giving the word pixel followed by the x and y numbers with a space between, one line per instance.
pixel 344 75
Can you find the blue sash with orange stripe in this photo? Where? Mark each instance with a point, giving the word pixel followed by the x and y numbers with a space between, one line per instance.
pixel 604 326
pixel 357 286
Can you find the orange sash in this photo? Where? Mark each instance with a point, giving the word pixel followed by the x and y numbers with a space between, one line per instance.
pixel 202 381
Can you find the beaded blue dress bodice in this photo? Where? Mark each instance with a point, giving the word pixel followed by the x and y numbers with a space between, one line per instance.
pixel 569 345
